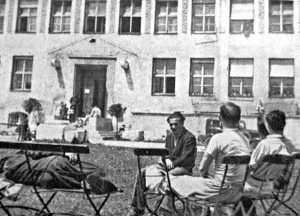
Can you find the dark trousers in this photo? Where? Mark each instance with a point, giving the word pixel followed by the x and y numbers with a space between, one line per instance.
pixel 138 199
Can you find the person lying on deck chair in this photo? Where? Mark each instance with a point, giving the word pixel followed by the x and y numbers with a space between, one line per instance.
pixel 182 147
pixel 54 170
pixel 228 143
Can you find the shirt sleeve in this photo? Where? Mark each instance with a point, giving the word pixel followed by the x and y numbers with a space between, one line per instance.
pixel 257 155
pixel 211 150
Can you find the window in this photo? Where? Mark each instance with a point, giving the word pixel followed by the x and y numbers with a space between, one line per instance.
pixel 163 82
pixel 202 77
pixel 22 72
pixel 166 16
pixel 240 78
pixel 242 16
pixel 2 13
pixel 95 11
pixel 61 15
pixel 130 19
pixel 281 78
pixel 203 16
pixel 281 16
pixel 27 14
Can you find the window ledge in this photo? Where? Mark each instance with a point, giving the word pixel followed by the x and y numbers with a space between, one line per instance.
pixel 281 32
pixel 20 32
pixel 204 33
pixel 241 98
pixel 165 33
pixel 15 90
pixel 92 33
pixel 128 33
pixel 162 94
pixel 59 32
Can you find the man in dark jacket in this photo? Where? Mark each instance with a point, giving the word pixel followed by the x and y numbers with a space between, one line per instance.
pixel 182 147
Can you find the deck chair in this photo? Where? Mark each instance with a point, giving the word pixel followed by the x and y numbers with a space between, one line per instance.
pixel 279 172
pixel 157 195
pixel 46 200
pixel 220 206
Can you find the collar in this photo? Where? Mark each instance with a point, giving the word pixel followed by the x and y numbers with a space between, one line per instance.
pixel 274 136
pixel 229 129
pixel 180 135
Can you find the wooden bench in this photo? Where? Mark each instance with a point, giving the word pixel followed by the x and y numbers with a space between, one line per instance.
pixel 53 147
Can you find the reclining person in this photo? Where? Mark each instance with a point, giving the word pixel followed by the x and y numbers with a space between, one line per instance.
pixel 230 142
pixel 182 147
pixel 50 170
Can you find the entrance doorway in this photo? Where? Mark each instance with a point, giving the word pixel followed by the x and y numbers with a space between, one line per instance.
pixel 90 88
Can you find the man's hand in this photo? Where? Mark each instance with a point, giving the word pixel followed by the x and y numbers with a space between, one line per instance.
pixel 169 164
pixel 72 157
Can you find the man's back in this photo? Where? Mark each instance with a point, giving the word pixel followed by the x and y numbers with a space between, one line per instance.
pixel 229 142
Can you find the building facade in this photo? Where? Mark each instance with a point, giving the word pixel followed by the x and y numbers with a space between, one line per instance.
pixel 153 57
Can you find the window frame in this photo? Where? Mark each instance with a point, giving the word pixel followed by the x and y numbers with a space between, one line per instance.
pixel 282 78
pixel 242 22
pixel 168 2
pixel 85 31
pixel 202 76
pixel 242 85
pixel 164 76
pixel 19 17
pixel 23 73
pixel 281 24
pixel 203 16
pixel 2 16
pixel 62 16
pixel 131 17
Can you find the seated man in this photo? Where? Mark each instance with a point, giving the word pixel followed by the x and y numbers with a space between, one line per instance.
pixel 50 170
pixel 230 142
pixel 274 143
pixel 182 147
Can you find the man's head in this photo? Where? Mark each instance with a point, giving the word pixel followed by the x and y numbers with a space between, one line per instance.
pixel 230 114
pixel 275 121
pixel 176 122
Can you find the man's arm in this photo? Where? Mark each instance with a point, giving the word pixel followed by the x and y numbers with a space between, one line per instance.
pixel 204 165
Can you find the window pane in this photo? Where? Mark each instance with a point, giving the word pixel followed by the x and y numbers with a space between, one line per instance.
pixel 172 24
pixel 56 24
pixel 197 81
pixel 161 24
pixel 248 81
pixel 17 81
pixel 196 90
pixel 125 24
pixel 197 68
pixel 57 7
pixel 236 26
pixel 66 24
pixel 27 81
pixel 23 24
pixel 162 9
pixel 1 24
pixel 208 81
pixel 100 24
pixel 275 8
pixel 28 65
pixel 32 24
pixel 173 9
pixel 198 24
pixel 209 23
pixel 90 24
pixel 170 85
pixel 159 67
pixel 158 85
pixel 208 90
pixel 208 69
pixel 209 9
pixel 287 7
pixel 19 65
pixel 247 92
pixel 67 7
pixel 287 22
pixel 136 24
pixel 170 67
pixel 198 9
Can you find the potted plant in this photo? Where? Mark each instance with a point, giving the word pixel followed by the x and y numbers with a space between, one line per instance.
pixel 116 112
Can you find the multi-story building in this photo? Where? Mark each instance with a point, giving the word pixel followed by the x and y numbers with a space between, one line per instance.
pixel 152 56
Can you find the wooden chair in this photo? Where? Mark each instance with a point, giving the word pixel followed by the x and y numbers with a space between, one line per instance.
pixel 217 205
pixel 54 147
pixel 280 173
pixel 158 195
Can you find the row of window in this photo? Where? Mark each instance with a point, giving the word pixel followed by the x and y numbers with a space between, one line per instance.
pixel 166 16
pixel 281 77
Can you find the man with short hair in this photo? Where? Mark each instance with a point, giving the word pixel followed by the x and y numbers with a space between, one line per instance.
pixel 182 148
pixel 274 143
pixel 230 142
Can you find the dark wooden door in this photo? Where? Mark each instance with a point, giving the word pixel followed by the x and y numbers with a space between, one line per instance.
pixel 91 87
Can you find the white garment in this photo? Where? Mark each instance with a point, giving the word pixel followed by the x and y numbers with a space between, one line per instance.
pixel 95 112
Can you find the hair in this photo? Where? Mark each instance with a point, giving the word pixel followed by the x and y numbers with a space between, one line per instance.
pixel 176 115
pixel 276 120
pixel 230 113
